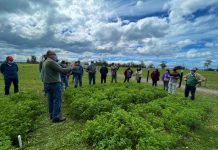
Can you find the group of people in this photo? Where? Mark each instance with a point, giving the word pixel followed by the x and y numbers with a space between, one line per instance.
pixel 55 78
pixel 170 80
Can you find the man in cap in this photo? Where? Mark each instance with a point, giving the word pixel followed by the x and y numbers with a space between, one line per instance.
pixel 53 85
pixel 192 79
pixel 10 71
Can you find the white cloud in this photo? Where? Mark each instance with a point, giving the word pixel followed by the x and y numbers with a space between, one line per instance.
pixel 195 54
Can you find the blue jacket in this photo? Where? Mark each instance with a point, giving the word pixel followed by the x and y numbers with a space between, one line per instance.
pixel 9 70
pixel 79 70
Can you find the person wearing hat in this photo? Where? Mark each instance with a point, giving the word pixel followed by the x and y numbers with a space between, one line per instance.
pixel 192 80
pixel 10 71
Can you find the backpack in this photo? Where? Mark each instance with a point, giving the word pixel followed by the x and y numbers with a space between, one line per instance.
pixel 192 80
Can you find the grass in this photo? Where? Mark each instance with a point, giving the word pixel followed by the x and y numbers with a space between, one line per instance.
pixel 48 135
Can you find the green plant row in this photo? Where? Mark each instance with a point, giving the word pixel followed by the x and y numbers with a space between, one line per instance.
pixel 86 103
pixel 160 124
pixel 18 113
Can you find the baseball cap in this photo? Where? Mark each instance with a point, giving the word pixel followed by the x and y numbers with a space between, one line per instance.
pixel 10 58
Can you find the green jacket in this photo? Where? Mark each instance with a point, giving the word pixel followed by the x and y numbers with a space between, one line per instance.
pixel 52 71
pixel 193 80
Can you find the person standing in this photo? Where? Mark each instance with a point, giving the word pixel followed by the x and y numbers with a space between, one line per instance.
pixel 155 76
pixel 174 77
pixel 192 79
pixel 127 74
pixel 165 79
pixel 92 71
pixel 9 69
pixel 52 80
pixel 138 74
pixel 78 75
pixel 103 72
pixel 114 69
pixel 64 78
pixel 41 70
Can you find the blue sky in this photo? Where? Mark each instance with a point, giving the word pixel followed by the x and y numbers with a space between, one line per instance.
pixel 179 32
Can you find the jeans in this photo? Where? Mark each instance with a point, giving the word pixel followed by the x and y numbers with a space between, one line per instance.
pixel 91 78
pixel 103 78
pixel 114 78
pixel 78 79
pixel 54 99
pixel 165 84
pixel 64 81
pixel 8 82
pixel 172 87
pixel 191 89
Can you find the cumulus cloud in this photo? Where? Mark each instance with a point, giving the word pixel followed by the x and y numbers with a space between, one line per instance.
pixel 195 54
pixel 84 29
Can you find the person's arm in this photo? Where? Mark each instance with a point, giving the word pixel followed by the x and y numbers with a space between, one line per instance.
pixel 55 66
pixel 17 67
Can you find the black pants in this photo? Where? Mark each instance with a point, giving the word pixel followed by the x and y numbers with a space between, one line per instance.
pixel 103 78
pixel 166 85
pixel 126 79
pixel 154 82
pixel 8 82
pixel 188 89
pixel 139 80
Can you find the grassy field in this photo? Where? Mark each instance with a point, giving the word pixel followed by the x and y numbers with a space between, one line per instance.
pixel 50 136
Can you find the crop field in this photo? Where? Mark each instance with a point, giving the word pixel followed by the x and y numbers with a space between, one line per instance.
pixel 108 116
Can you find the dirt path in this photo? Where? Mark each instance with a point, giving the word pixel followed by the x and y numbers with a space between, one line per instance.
pixel 199 89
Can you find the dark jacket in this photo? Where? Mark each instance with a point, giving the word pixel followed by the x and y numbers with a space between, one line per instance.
pixel 103 70
pixel 128 73
pixel 9 70
pixel 155 75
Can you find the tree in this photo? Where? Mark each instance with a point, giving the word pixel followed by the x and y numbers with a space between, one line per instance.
pixel 33 59
pixel 28 60
pixel 163 65
pixel 207 63
pixel 142 64
pixel 151 66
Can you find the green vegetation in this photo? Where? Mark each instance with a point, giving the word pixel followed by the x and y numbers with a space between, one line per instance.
pixel 198 132
pixel 18 115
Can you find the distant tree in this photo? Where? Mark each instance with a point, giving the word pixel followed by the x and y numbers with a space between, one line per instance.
pixel 33 59
pixel 179 67
pixel 142 64
pixel 28 60
pixel 163 65
pixel 207 63
pixel 151 66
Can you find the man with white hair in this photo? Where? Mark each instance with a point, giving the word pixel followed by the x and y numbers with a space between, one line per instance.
pixel 192 80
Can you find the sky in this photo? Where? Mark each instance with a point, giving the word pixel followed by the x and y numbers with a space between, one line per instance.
pixel 178 32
